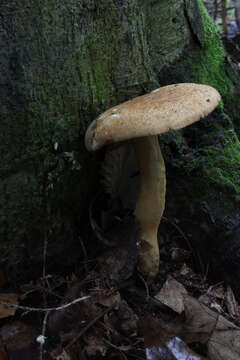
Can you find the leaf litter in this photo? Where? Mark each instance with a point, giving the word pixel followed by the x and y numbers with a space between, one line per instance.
pixel 122 316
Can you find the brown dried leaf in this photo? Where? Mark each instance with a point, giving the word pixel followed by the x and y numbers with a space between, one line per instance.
pixel 217 291
pixel 109 300
pixel 162 344
pixel 232 305
pixel 201 325
pixel 179 254
pixel 173 349
pixel 204 325
pixel 8 298
pixel 95 345
pixel 19 340
pixel 119 262
pixel 224 345
pixel 172 295
pixel 17 335
pixel 185 270
pixel 3 354
pixel 201 321
pixel 123 319
pixel 63 356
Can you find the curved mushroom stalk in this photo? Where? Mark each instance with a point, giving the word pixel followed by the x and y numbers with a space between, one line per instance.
pixel 151 201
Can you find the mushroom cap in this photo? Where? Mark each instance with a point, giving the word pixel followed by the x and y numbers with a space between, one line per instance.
pixel 167 108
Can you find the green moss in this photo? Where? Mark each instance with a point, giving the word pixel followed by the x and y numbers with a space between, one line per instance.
pixel 172 143
pixel 222 163
pixel 209 66
pixel 94 62
pixel 215 156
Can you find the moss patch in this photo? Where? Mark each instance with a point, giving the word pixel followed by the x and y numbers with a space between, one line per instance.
pixel 222 162
pixel 209 67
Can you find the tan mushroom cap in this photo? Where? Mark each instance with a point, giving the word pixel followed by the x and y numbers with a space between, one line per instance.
pixel 167 108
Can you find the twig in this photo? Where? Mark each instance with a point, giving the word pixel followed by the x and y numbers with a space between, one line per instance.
pixel 85 264
pixel 45 245
pixel 51 292
pixel 179 230
pixel 89 325
pixel 28 308
pixel 196 254
pixel 44 275
pixel 116 348
pixel 44 326
pixel 145 285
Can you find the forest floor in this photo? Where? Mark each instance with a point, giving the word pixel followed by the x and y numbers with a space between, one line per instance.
pixel 103 312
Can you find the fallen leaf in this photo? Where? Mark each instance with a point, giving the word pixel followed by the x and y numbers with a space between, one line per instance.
pixel 231 303
pixel 179 254
pixel 216 306
pixel 118 263
pixel 224 345
pixel 123 319
pixel 204 325
pixel 109 300
pixel 217 291
pixel 163 344
pixel 211 302
pixel 19 341
pixel 199 318
pixel 95 345
pixel 202 321
pixel 63 356
pixel 158 354
pixel 7 298
pixel 172 295
pixel 3 354
pixel 185 270
pixel 175 349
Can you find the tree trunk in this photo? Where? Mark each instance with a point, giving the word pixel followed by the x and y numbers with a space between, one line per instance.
pixel 237 12
pixel 224 16
pixel 62 64
pixel 215 11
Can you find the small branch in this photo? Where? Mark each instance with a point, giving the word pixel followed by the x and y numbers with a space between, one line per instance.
pixel 145 285
pixel 45 246
pixel 44 327
pixel 28 308
pixel 89 325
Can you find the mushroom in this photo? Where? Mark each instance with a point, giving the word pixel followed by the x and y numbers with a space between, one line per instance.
pixel 142 119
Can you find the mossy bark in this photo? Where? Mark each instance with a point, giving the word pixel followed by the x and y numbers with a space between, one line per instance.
pixel 62 63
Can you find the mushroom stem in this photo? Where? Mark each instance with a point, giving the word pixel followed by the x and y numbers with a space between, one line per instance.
pixel 151 201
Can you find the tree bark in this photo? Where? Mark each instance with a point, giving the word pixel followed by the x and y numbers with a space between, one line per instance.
pixel 62 64
pixel 224 16
pixel 215 11
pixel 237 12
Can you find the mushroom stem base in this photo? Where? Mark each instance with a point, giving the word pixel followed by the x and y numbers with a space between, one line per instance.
pixel 151 201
